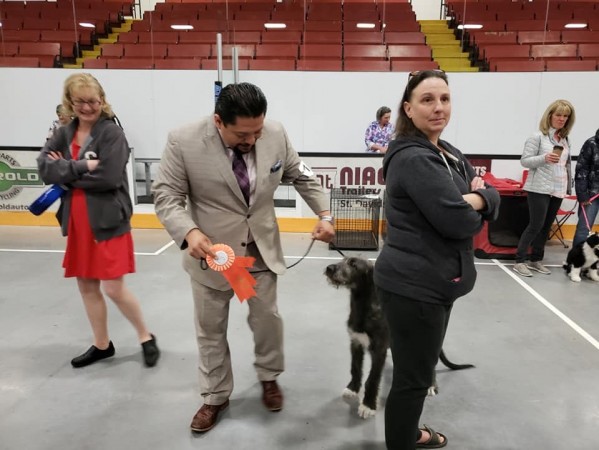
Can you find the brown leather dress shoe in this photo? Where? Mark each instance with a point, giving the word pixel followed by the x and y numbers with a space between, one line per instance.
pixel 272 397
pixel 205 418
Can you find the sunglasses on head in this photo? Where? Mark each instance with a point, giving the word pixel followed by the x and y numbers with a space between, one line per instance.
pixel 416 73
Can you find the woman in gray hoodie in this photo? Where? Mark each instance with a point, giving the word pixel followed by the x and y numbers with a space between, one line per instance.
pixel 435 205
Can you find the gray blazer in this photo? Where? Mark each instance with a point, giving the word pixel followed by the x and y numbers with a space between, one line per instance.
pixel 195 188
pixel 540 174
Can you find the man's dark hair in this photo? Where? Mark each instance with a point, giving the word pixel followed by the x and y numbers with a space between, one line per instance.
pixel 240 100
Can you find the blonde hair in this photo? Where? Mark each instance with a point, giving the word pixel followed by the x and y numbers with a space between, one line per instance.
pixel 80 81
pixel 558 107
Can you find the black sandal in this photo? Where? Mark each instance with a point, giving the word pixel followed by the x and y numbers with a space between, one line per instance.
pixel 434 441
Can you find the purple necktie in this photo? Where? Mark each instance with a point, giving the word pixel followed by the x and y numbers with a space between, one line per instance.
pixel 241 173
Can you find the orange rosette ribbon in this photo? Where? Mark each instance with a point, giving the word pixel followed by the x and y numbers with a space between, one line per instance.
pixel 234 269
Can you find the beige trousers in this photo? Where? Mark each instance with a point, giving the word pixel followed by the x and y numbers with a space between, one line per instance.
pixel 211 322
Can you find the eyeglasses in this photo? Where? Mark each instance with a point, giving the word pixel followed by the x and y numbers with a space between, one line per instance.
pixel 415 73
pixel 91 103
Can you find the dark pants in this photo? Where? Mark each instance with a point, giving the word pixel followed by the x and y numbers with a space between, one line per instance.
pixel 542 209
pixel 417 330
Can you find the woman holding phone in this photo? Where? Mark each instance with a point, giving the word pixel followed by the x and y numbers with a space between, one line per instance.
pixel 547 157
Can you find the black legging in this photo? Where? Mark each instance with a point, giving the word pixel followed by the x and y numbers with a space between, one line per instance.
pixel 542 209
pixel 417 330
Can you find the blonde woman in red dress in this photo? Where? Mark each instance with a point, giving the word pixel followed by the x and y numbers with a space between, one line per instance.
pixel 89 157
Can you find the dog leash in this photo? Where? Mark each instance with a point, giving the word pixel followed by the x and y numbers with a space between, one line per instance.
pixel 204 265
pixel 584 213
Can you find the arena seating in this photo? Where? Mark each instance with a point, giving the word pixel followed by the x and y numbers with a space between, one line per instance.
pixel 529 36
pixel 319 34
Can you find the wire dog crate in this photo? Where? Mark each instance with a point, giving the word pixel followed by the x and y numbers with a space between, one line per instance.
pixel 357 218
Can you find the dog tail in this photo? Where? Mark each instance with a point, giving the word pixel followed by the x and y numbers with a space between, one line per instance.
pixel 451 365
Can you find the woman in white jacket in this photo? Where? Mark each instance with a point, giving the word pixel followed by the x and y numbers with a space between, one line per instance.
pixel 547 157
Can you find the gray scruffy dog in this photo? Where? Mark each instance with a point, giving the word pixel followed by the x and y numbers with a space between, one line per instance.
pixel 367 330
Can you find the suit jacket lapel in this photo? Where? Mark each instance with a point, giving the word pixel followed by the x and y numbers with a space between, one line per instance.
pixel 262 158
pixel 223 164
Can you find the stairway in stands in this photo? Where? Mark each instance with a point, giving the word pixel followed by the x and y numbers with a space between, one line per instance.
pixel 447 50
pixel 111 38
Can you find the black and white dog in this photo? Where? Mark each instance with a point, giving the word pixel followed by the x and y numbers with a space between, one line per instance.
pixel 584 258
pixel 367 330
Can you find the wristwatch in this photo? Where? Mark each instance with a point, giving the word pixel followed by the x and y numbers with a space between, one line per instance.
pixel 328 219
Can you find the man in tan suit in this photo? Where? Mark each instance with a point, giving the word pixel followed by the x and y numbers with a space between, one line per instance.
pixel 215 184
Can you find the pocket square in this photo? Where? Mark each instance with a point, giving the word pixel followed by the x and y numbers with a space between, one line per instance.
pixel 276 166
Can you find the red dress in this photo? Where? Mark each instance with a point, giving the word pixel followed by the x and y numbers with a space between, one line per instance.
pixel 86 258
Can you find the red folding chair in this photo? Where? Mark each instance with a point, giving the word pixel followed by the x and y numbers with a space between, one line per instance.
pixel 563 214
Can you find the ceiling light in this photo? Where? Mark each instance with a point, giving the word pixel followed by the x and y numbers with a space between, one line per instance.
pixel 182 27
pixel 87 25
pixel 365 25
pixel 470 26
pixel 575 25
pixel 275 26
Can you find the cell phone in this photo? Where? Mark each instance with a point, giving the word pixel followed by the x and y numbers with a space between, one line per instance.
pixel 558 149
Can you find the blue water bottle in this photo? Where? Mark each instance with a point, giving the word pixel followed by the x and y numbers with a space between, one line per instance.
pixel 48 197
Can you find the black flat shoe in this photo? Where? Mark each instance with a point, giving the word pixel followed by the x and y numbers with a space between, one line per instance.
pixel 151 352
pixel 92 355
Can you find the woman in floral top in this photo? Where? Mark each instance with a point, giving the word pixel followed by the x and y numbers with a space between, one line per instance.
pixel 379 132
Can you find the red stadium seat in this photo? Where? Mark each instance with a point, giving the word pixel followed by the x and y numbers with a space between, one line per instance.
pixel 323 37
pixel 505 51
pixel 321 51
pixel 21 35
pixel 323 25
pixel 133 63
pixel 360 51
pixel 212 64
pixel 571 66
pixel 400 25
pixel 33 23
pixel 316 65
pixel 244 37
pixel 357 65
pixel 525 25
pixel 243 51
pixel 404 37
pixel 19 61
pixel 493 37
pixel 274 36
pixel 198 37
pixel 588 51
pixel 580 36
pixel 111 50
pixel 97 63
pixel 197 51
pixel 409 52
pixel 39 48
pixel 9 49
pixel 131 37
pixel 151 51
pixel 539 37
pixel 272 64
pixel 554 50
pixel 404 65
pixel 504 65
pixel 277 51
pixel 158 37
pixel 177 64
pixel 361 37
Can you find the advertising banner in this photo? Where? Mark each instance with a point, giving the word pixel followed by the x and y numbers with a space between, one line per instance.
pixel 20 183
pixel 362 175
